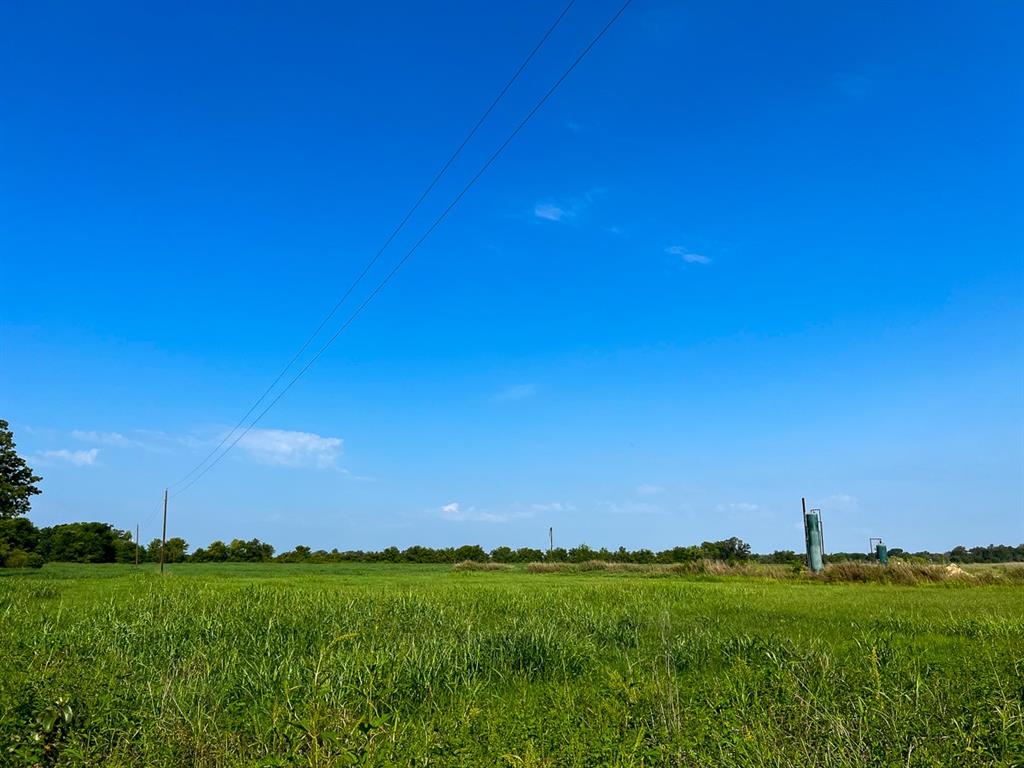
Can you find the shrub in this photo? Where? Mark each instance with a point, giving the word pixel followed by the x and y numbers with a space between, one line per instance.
pixel 19 558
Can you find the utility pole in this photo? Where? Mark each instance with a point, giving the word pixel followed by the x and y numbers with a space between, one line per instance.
pixel 136 545
pixel 163 541
pixel 551 539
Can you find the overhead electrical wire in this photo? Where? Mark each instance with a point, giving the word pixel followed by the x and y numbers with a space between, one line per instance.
pixel 387 278
pixel 394 233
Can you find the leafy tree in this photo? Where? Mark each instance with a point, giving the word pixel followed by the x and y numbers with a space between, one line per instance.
pixel 728 549
pixel 18 533
pixel 471 552
pixel 17 480
pixel 79 543
pixel 529 555
pixel 19 558
pixel 503 555
pixel 174 553
pixel 252 551
pixel 557 555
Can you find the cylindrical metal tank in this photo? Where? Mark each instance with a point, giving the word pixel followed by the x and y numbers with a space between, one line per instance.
pixel 882 553
pixel 812 531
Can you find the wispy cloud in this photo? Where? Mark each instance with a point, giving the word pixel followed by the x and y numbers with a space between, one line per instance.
pixel 84 458
pixel 115 439
pixel 456 513
pixel 515 392
pixel 551 212
pixel 280 447
pixel 687 255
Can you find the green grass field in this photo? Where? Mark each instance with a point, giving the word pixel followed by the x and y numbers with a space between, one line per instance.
pixel 274 665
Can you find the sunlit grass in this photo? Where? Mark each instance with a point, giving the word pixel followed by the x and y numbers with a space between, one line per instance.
pixel 423 665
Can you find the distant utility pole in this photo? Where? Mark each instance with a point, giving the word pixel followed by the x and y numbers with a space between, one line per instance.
pixel 136 544
pixel 551 539
pixel 163 540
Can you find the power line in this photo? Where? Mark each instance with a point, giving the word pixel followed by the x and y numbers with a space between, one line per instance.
pixel 394 233
pixel 444 214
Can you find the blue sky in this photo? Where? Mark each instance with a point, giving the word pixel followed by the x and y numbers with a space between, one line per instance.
pixel 745 254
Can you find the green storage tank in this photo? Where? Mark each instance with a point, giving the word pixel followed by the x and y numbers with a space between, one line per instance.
pixel 813 539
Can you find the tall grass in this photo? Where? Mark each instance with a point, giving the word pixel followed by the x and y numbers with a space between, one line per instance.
pixel 279 666
pixel 907 574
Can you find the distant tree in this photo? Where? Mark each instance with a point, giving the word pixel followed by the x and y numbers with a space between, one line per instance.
pixel 175 552
pixel 217 552
pixel 580 554
pixel 643 556
pixel 680 555
pixel 780 557
pixel 503 555
pixel 80 543
pixel 556 555
pixel 18 533
pixel 727 549
pixel 300 554
pixel 470 552
pixel 124 547
pixel 252 551
pixel 177 547
pixel 17 480
pixel 528 555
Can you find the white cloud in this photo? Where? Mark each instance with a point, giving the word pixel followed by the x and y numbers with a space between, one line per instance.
pixel 646 489
pixel 687 255
pixel 575 206
pixel 455 513
pixel 550 212
pixel 284 448
pixel 84 458
pixel 516 392
pixel 103 438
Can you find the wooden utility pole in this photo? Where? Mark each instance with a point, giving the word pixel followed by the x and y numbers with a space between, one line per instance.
pixel 163 540
pixel 136 544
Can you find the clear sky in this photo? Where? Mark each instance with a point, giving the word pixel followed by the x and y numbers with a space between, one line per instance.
pixel 747 253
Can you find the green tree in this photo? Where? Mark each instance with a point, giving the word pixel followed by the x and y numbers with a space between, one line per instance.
pixel 79 543
pixel 175 552
pixel 17 480
pixel 18 533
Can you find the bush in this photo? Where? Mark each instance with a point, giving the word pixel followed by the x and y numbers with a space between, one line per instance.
pixel 19 558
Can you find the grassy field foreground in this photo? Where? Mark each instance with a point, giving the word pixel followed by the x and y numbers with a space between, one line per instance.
pixel 416 665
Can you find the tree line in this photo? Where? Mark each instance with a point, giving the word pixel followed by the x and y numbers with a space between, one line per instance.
pixel 22 544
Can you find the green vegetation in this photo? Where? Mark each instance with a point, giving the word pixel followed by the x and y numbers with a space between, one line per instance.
pixel 324 665
pixel 18 483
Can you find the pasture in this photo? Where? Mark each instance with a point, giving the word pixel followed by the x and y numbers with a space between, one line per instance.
pixel 279 665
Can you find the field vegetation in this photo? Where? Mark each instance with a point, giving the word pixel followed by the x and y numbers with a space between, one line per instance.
pixel 332 665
